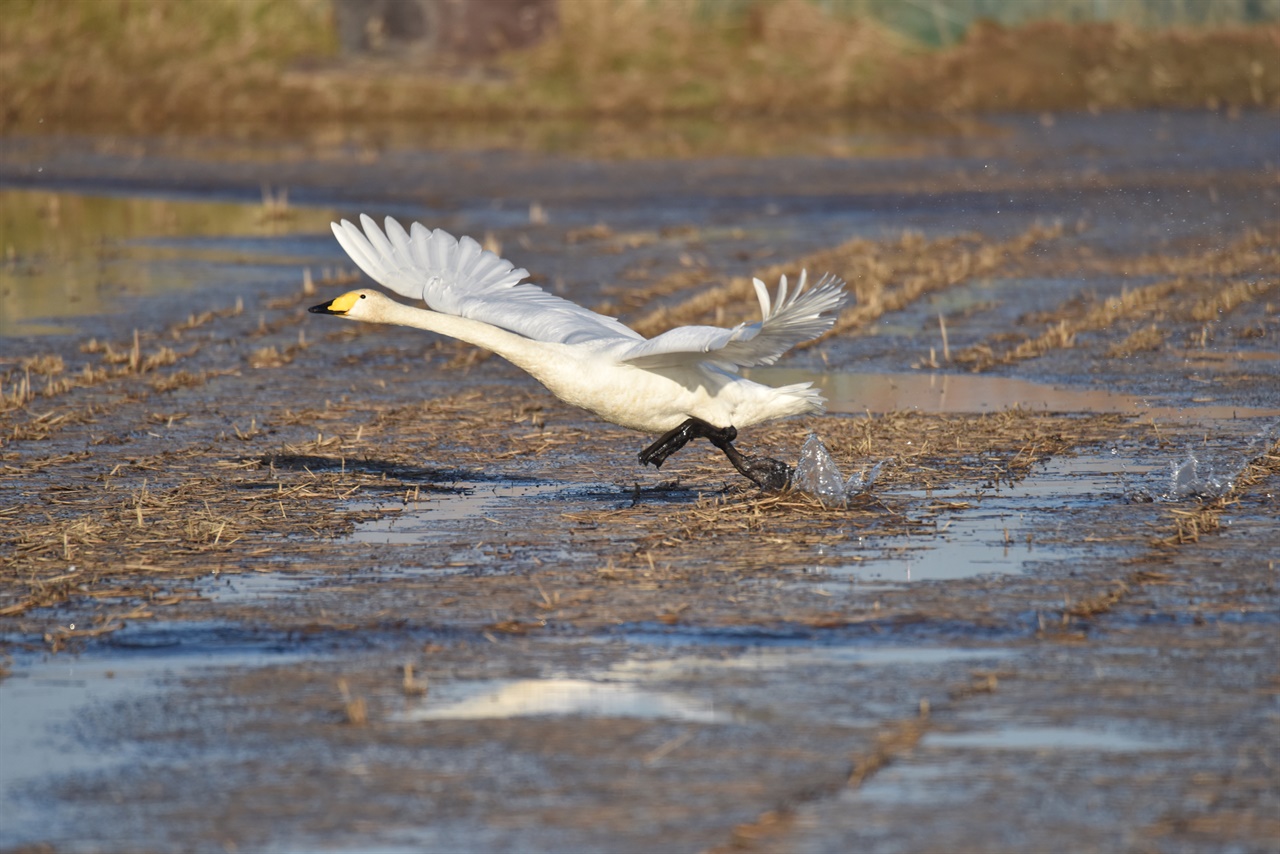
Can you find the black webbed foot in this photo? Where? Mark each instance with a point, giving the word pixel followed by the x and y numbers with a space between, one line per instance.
pixel 765 472
pixel 673 440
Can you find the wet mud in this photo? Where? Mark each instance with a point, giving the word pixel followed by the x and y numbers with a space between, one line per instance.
pixel 273 582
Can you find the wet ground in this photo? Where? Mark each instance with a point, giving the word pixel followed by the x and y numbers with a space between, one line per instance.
pixel 273 582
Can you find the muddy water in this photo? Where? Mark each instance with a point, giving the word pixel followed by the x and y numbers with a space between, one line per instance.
pixel 476 624
pixel 72 255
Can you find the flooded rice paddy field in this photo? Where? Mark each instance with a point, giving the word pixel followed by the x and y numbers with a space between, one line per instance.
pixel 273 582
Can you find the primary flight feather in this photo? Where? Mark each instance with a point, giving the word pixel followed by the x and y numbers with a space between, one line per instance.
pixel 683 383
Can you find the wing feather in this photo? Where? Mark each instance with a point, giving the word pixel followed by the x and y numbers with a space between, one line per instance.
pixel 799 315
pixel 464 279
pixel 762 293
pixel 382 247
pixel 358 248
pixel 398 237
pixel 468 254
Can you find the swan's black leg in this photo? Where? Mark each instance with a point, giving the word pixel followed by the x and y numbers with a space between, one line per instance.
pixel 673 440
pixel 765 472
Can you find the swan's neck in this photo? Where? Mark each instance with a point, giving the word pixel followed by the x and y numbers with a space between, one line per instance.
pixel 523 352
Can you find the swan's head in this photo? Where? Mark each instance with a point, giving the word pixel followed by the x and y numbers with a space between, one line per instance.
pixel 363 304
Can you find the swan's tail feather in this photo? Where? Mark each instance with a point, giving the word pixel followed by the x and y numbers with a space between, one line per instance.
pixel 808 400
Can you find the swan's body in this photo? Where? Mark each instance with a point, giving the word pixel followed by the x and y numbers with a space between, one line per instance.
pixel 678 383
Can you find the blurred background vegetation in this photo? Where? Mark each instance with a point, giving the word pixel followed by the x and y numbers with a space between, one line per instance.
pixel 173 66
pixel 942 22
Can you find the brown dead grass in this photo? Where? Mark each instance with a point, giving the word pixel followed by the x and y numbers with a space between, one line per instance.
pixel 135 528
pixel 1057 66
pixel 142 365
pixel 147 66
pixel 155 521
pixel 726 531
pixel 1144 339
pixel 1206 287
pixel 883 276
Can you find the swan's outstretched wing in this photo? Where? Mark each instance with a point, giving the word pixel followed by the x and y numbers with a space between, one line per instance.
pixel 790 318
pixel 459 277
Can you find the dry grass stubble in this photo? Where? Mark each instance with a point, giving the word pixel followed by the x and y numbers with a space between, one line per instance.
pixel 148 65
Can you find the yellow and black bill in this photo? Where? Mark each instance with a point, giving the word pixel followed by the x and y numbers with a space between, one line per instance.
pixel 340 305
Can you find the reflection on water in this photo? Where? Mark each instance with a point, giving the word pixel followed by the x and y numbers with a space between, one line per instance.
pixel 254 586
pixel 777 657
pixel 42 702
pixel 629 689
pixel 69 255
pixel 500 698
pixel 930 392
pixel 974 393
pixel 864 135
pixel 1002 533
pixel 495 503
pixel 1045 738
pixel 942 765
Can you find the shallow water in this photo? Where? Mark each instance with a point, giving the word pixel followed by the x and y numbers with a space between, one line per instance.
pixel 922 391
pixel 1047 738
pixel 49 703
pixel 254 586
pixel 537 697
pixel 72 255
pixel 550 665
pixel 1001 532
pixel 995 535
pixel 494 505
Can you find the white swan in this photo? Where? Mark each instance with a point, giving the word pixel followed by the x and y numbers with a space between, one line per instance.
pixel 683 383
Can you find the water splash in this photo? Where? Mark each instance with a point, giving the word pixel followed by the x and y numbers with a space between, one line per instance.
pixel 1187 478
pixel 1193 478
pixel 1198 476
pixel 817 474
pixel 864 480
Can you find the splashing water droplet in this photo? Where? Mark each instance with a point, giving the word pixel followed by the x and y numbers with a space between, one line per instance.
pixel 864 480
pixel 1183 477
pixel 1192 478
pixel 817 473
